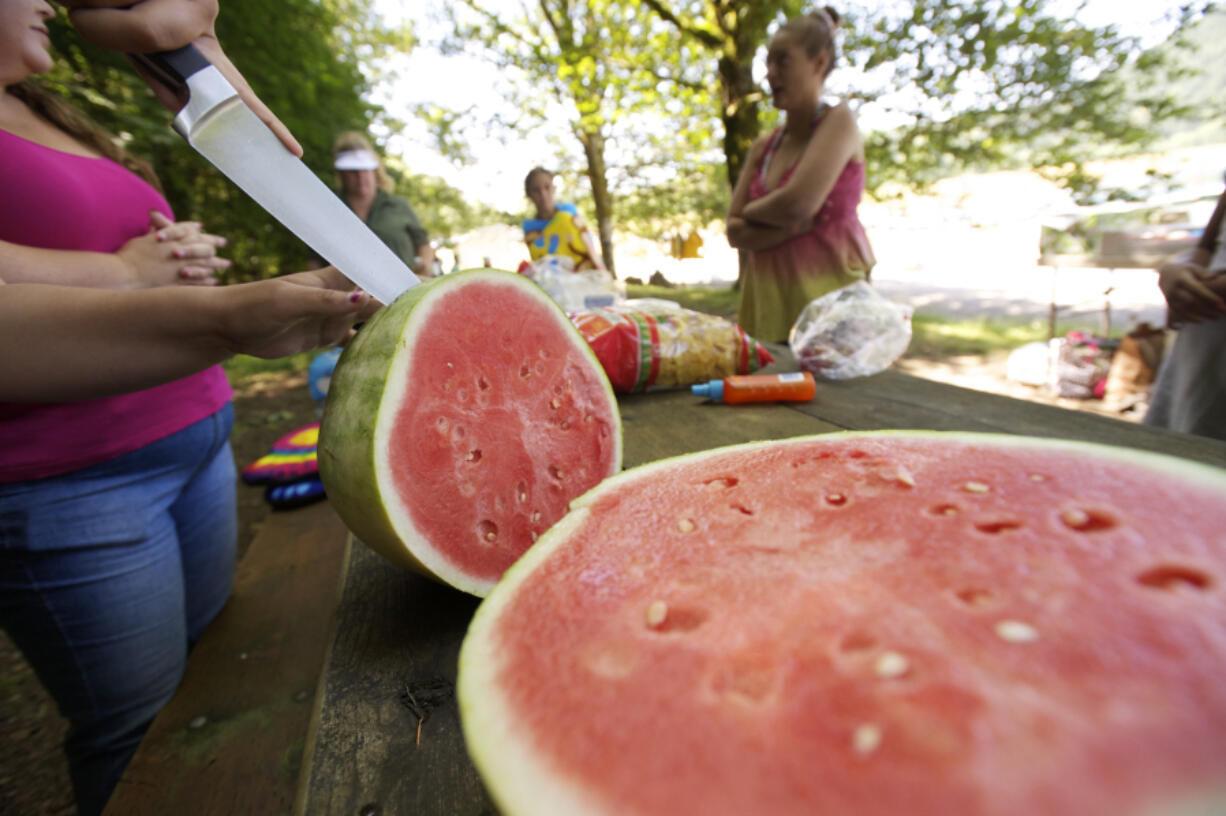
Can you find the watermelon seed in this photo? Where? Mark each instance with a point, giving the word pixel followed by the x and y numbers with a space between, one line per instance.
pixel 556 472
pixel 836 499
pixel 974 597
pixel 1087 521
pixel 741 509
pixel 536 515
pixel 1016 631
pixel 866 739
pixel 483 383
pixel 998 527
pixel 524 371
pixel 1037 477
pixel 474 456
pixel 657 611
pixel 905 476
pixel 443 424
pixel 722 481
pixel 945 510
pixel 521 490
pixel 564 424
pixel 891 664
pixel 1172 578
pixel 554 404
pixel 686 525
pixel 976 487
pixel 857 642
pixel 488 531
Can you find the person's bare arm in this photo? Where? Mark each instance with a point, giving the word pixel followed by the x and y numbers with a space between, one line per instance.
pixel 831 147
pixel 743 233
pixel 67 343
pixel 170 253
pixel 149 26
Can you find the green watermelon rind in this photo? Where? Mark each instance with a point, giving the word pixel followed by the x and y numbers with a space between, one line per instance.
pixel 361 409
pixel 519 781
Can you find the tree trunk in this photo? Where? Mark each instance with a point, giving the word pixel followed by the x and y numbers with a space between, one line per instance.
pixel 593 149
pixel 740 118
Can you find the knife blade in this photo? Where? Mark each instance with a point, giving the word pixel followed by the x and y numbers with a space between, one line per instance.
pixel 219 125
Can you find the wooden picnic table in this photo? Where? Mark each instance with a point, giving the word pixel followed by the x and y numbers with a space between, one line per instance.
pixel 326 685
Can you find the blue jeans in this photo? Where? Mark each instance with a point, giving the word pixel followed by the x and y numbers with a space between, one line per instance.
pixel 107 575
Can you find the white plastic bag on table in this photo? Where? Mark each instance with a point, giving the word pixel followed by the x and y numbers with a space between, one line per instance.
pixel 575 291
pixel 850 332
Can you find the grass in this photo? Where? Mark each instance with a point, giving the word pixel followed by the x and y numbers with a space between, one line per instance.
pixel 716 300
pixel 935 338
pixel 241 367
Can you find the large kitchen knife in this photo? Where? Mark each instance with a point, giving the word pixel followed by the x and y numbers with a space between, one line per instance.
pixel 218 124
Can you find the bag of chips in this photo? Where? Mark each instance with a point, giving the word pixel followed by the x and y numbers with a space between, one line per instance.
pixel 649 343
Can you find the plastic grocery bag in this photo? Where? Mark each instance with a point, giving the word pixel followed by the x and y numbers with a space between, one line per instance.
pixel 850 332
pixel 574 291
pixel 648 342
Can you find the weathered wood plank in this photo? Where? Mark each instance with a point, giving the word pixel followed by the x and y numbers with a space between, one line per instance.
pixel 671 423
pixel 231 739
pixel 398 634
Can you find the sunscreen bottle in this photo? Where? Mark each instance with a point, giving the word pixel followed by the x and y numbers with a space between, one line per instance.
pixel 797 387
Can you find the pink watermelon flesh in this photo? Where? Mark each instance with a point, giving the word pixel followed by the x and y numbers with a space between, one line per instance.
pixel 873 625
pixel 505 422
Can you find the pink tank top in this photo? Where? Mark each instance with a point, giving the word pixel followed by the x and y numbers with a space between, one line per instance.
pixel 55 200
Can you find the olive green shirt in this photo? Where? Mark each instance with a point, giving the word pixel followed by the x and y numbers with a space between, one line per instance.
pixel 393 220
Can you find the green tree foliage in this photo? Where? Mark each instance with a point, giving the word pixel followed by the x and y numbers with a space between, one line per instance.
pixel 728 33
pixel 300 56
pixel 595 67
pixel 968 83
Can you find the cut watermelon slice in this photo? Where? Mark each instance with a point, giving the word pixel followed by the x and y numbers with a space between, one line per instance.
pixel 461 421
pixel 864 624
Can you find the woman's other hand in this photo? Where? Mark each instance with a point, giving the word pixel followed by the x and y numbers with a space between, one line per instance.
pixel 1190 295
pixel 173 252
pixel 290 314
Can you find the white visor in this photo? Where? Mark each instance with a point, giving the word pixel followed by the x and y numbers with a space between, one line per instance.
pixel 356 160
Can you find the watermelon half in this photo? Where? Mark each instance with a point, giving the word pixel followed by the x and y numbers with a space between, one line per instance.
pixel 893 623
pixel 461 421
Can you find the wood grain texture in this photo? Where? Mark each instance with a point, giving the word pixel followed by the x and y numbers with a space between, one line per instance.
pixel 394 658
pixel 231 739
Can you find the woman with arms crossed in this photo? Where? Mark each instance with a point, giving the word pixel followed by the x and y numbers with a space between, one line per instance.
pixel 794 206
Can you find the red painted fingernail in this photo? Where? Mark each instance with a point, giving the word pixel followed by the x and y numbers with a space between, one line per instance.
pixel 354 297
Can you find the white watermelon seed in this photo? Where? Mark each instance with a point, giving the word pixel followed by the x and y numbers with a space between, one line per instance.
pixel 1016 631
pixel 1075 518
pixel 553 403
pixel 891 664
pixel 976 487
pixel 685 525
pixel 536 515
pixel 474 455
pixel 866 739
pixel 556 472
pixel 487 530
pixel 905 476
pixel 657 611
pixel 1037 477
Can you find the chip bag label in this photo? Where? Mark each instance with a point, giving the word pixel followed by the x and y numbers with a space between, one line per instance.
pixel 652 343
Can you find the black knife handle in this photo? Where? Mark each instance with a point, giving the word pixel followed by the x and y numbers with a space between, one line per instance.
pixel 172 68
